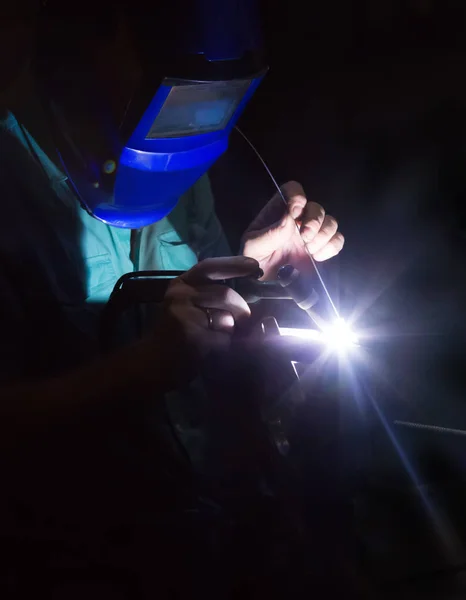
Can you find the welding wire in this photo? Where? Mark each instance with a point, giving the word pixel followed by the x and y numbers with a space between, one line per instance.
pixel 433 428
pixel 310 312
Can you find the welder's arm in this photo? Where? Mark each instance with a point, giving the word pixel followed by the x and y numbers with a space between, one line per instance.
pixel 286 234
pixel 26 407
pixel 198 316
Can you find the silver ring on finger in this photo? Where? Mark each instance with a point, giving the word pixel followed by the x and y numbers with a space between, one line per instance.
pixel 210 322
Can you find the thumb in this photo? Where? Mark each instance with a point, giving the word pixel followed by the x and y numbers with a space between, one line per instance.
pixel 271 237
pixel 218 269
pixel 270 215
pixel 275 211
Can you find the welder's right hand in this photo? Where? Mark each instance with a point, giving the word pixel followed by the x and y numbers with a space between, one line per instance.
pixel 199 312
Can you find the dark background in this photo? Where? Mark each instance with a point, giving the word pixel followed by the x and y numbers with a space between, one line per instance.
pixel 364 104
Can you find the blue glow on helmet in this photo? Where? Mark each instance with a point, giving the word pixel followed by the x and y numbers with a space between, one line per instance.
pixel 181 134
pixel 208 64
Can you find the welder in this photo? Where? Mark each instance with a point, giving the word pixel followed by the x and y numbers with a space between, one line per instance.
pixel 109 126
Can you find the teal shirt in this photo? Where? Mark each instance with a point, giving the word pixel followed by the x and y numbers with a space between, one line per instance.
pixel 191 231
pixel 59 263
pixel 108 464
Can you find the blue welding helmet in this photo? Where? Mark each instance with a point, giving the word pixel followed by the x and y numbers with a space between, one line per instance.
pixel 142 102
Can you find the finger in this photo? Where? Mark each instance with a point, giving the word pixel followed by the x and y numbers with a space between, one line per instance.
pixel 187 315
pixel 223 298
pixel 261 243
pixel 295 198
pixel 219 320
pixel 271 214
pixel 274 227
pixel 178 290
pixel 195 323
pixel 327 231
pixel 275 212
pixel 312 219
pixel 214 269
pixel 333 247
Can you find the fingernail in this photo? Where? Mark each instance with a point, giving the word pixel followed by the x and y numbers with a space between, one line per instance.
pixel 296 211
pixel 258 274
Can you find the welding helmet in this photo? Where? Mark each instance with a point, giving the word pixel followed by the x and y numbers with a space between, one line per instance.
pixel 184 72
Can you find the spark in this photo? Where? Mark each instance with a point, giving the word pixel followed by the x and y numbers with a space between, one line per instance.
pixel 337 336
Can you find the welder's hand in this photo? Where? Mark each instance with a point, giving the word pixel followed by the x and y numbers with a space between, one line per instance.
pixel 200 313
pixel 274 240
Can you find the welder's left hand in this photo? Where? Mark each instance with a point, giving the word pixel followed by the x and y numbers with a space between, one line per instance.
pixel 274 240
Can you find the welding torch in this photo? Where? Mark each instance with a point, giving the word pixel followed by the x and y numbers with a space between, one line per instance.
pixel 144 287
pixel 150 286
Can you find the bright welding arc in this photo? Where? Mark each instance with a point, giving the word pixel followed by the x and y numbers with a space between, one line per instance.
pixel 286 204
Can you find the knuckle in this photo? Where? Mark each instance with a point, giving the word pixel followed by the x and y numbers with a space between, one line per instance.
pixel 332 223
pixel 310 230
pixel 318 210
pixel 293 188
pixel 338 240
pixel 329 226
pixel 314 224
